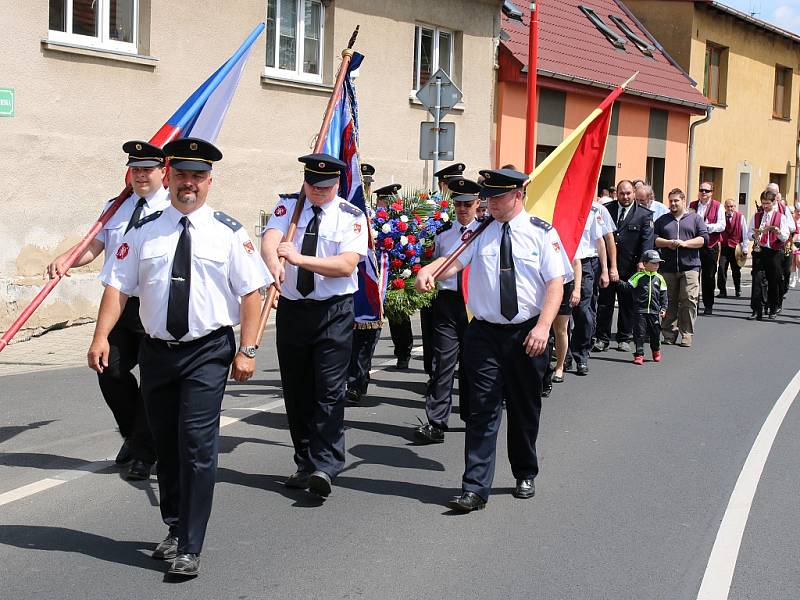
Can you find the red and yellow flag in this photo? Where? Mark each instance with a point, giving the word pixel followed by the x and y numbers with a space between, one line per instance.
pixel 562 188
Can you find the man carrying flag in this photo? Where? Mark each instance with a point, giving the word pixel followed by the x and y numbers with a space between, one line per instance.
pixel 117 384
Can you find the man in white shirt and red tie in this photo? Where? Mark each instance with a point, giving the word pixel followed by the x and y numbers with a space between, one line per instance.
pixel 711 212
pixel 734 236
pixel 770 230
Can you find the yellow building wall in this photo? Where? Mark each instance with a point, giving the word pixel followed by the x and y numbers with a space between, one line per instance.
pixel 634 121
pixel 676 161
pixel 742 136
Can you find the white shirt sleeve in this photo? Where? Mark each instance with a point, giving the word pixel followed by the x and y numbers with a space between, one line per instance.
pixel 282 215
pixel 608 225
pixel 553 260
pixel 247 271
pixel 121 271
pixel 719 226
pixel 355 238
pixel 745 233
pixel 784 234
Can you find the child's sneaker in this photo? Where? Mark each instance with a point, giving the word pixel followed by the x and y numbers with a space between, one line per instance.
pixel 656 355
pixel 638 360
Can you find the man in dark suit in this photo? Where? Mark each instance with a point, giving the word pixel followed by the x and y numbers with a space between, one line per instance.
pixel 633 237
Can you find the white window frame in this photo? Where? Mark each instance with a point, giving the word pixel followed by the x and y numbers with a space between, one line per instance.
pixel 103 41
pixel 297 74
pixel 418 27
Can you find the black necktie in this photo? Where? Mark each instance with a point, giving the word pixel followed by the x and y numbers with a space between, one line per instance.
pixel 137 214
pixel 508 282
pixel 305 278
pixel 460 274
pixel 622 214
pixel 178 307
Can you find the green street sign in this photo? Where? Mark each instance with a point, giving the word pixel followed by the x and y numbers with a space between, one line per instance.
pixel 6 102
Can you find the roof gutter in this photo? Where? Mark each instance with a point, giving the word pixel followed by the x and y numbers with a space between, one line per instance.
pixel 753 21
pixel 692 127
pixel 600 84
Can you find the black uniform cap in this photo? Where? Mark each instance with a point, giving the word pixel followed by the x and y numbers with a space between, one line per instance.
pixel 501 181
pixel 322 170
pixel 142 154
pixel 388 191
pixel 192 154
pixel 454 170
pixel 462 190
pixel 367 169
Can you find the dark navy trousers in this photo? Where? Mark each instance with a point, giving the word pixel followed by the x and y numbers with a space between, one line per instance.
pixel 314 341
pixel 500 369
pixel 364 343
pixel 183 386
pixel 449 324
pixel 584 314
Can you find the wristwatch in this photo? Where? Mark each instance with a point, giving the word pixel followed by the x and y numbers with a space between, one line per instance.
pixel 248 351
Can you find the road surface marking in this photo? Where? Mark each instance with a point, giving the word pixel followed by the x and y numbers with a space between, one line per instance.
pixel 717 579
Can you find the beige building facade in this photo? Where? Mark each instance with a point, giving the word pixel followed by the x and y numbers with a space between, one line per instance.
pixel 88 75
pixel 749 71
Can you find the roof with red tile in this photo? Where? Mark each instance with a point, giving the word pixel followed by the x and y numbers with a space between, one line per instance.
pixel 572 49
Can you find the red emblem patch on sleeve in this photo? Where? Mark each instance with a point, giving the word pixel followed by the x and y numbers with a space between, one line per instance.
pixel 280 210
pixel 357 227
pixel 466 235
pixel 556 247
pixel 248 247
pixel 122 251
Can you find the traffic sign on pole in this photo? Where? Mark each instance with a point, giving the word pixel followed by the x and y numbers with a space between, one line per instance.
pixel 450 94
pixel 427 141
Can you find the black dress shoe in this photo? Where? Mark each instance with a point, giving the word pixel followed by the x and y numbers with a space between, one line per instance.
pixel 353 396
pixel 708 311
pixel 319 483
pixel 525 488
pixel 722 295
pixel 124 455
pixel 297 481
pixel 166 550
pixel 738 294
pixel 582 369
pixel 546 391
pixel 467 502
pixel 771 316
pixel 601 345
pixel 751 317
pixel 558 379
pixel 139 471
pixel 185 565
pixel 429 434
pixel 779 310
pixel 402 362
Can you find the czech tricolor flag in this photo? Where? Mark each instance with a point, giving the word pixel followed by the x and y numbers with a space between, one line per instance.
pixel 561 189
pixel 202 114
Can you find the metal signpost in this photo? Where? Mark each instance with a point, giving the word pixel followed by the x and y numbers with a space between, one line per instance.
pixel 439 96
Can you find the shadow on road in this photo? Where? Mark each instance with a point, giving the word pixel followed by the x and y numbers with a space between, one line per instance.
pixel 6 433
pixel 399 458
pixel 61 539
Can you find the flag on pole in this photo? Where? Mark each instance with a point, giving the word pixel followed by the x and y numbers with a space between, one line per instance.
pixel 202 114
pixel 342 142
pixel 563 187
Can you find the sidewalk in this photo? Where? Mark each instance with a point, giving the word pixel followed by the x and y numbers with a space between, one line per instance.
pixel 55 349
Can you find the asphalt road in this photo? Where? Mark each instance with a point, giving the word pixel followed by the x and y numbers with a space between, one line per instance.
pixel 637 467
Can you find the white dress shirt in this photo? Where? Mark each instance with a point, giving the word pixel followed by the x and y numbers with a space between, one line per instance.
pixel 538 258
pixel 446 243
pixel 112 232
pixel 762 239
pixel 658 209
pixel 225 266
pixel 592 231
pixel 719 225
pixel 608 223
pixel 342 228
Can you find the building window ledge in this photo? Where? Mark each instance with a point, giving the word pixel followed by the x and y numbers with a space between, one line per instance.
pixel 780 118
pixel 115 55
pixel 272 81
pixel 718 104
pixel 412 99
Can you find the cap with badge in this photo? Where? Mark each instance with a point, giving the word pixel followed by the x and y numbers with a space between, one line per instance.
pixel 454 170
pixel 367 171
pixel 497 182
pixel 651 256
pixel 388 191
pixel 322 170
pixel 463 190
pixel 192 154
pixel 142 154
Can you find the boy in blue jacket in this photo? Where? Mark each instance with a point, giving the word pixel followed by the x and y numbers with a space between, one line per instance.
pixel 650 304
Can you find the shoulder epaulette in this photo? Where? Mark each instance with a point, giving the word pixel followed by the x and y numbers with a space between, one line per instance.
pixel 541 223
pixel 148 218
pixel 444 227
pixel 349 208
pixel 226 220
pixel 288 196
pixel 594 209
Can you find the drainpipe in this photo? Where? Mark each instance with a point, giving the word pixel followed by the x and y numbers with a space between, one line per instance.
pixel 692 127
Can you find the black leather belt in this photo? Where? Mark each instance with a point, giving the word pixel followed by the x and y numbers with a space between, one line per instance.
pixel 189 343
pixel 308 302
pixel 529 323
